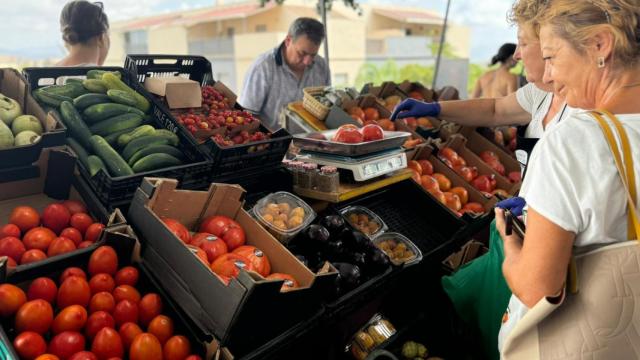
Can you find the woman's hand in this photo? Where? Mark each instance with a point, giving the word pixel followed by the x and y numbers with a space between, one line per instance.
pixel 501 226
pixel 415 108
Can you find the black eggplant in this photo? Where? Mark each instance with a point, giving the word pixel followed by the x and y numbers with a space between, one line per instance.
pixel 349 275
pixel 317 234
pixel 333 223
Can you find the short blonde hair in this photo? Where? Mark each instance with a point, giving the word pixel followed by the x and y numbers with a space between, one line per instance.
pixel 523 13
pixel 577 21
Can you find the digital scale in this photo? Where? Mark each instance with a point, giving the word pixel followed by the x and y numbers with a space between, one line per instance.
pixel 364 167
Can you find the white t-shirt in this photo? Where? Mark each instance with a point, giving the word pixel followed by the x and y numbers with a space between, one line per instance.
pixel 576 185
pixel 537 103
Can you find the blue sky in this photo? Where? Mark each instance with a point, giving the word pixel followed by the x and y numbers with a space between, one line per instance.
pixel 31 26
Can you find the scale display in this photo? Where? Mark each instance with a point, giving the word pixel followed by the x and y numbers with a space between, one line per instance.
pixel 363 168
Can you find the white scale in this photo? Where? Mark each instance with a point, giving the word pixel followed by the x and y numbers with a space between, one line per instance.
pixel 364 167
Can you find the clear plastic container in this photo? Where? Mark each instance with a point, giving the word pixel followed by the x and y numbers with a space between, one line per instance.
pixel 283 214
pixel 306 176
pixel 375 332
pixel 398 248
pixel 328 179
pixel 364 220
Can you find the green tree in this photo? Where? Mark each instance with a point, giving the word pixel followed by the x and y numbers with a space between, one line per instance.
pixel 475 71
pixel 447 50
pixel 389 71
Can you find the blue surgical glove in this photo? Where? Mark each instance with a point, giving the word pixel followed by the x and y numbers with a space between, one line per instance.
pixel 514 204
pixel 415 108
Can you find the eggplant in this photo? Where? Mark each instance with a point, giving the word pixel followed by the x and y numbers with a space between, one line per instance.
pixel 333 223
pixel 317 234
pixel 349 275
pixel 360 259
pixel 379 260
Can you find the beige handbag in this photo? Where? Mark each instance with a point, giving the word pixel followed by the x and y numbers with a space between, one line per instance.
pixel 601 320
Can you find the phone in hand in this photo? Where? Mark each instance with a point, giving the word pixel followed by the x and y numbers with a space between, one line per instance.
pixel 514 224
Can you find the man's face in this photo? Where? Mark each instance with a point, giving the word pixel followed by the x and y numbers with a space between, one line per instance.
pixel 301 52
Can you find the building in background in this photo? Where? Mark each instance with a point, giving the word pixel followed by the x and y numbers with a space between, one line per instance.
pixel 232 35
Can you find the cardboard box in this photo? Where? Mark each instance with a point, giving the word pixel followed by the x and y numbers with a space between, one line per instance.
pixel 339 116
pixel 249 310
pixel 470 251
pixel 478 143
pixel 409 87
pixel 179 92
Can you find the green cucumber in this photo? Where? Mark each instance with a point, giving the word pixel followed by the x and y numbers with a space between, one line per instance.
pixel 71 89
pixel 95 165
pixel 99 112
pixel 95 86
pixel 70 80
pixel 154 162
pixel 113 161
pixel 73 121
pixel 113 82
pixel 80 151
pixel 84 101
pixel 156 149
pixel 51 99
pixel 112 138
pixel 97 74
pixel 116 123
pixel 169 135
pixel 136 145
pixel 122 97
pixel 140 131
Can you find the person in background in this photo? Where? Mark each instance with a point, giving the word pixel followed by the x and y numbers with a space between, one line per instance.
pixel 499 82
pixel 85 31
pixel 278 76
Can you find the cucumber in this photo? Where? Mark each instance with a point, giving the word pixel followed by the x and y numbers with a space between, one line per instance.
pixel 71 89
pixel 169 135
pixel 113 161
pixel 95 165
pixel 155 161
pixel 136 145
pixel 95 86
pixel 156 149
pixel 73 121
pixel 70 80
pixel 112 138
pixel 80 151
pixel 86 100
pixel 122 97
pixel 97 74
pixel 99 112
pixel 144 130
pixel 116 123
pixel 51 99
pixel 113 82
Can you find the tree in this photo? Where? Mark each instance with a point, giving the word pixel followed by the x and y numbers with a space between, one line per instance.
pixel 447 50
pixel 389 71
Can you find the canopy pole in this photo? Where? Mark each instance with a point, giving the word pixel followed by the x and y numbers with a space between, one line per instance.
pixel 441 47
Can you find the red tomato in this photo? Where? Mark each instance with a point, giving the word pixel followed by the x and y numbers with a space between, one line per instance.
pixel 72 234
pixel 47 357
pixel 234 237
pixel 29 345
pixel 128 275
pixel 176 348
pixel 71 318
pixel 74 206
pixel 38 238
pixel 372 132
pixel 11 299
pixel 67 343
pixel 149 307
pixel 145 347
pixel 11 263
pixel 84 355
pixel 42 288
pixel 56 217
pixel 72 271
pixel 178 229
pixel 35 315
pixel 200 254
pixel 12 247
pixel 125 311
pixel 93 232
pixel 199 238
pixel 81 222
pixel 74 291
pixel 107 344
pixel 101 282
pixel 289 281
pixel 25 217
pixel 348 134
pixel 216 225
pixel 31 256
pixel 161 327
pixel 10 230
pixel 103 260
pixel 193 357
pixel 427 167
pixel 59 246
pixel 214 247
pixel 126 292
pixel 229 265
pixel 128 332
pixel 97 321
pixel 102 301
pixel 85 244
pixel 258 259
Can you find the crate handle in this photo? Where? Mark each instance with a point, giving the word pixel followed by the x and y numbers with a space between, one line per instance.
pixel 165 61
pixel 46 81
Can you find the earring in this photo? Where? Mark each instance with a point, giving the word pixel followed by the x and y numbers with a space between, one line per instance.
pixel 601 62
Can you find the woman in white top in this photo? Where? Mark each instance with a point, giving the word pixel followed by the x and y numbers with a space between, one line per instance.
pixel 592 54
pixel 84 27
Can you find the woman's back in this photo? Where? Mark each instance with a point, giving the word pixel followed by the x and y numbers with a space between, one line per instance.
pixel 496 84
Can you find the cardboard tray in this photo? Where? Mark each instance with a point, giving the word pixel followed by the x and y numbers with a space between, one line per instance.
pixel 127 247
pixel 230 312
pixel 114 191
pixel 392 139
pixel 478 143
pixel 14 85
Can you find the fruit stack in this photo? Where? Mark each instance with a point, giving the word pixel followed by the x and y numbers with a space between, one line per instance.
pixel 17 129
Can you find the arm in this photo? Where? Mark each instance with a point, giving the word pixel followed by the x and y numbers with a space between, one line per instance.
pixel 536 267
pixel 485 112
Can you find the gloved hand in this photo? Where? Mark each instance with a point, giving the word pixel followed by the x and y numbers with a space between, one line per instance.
pixel 415 108
pixel 514 204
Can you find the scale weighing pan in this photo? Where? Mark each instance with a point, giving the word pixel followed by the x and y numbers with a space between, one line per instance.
pixel 392 139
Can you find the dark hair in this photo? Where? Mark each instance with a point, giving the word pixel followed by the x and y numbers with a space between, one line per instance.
pixel 81 21
pixel 312 28
pixel 506 51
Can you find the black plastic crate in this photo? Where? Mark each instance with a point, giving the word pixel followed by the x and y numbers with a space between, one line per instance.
pixel 227 161
pixel 116 191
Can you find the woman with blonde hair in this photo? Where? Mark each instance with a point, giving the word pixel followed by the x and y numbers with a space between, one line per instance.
pixel 577 200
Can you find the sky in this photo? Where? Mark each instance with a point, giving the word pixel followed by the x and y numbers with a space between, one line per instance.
pixel 31 28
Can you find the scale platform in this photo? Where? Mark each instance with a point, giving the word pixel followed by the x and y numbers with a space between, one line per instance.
pixel 364 167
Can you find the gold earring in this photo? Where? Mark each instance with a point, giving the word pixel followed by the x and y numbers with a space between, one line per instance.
pixel 601 62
